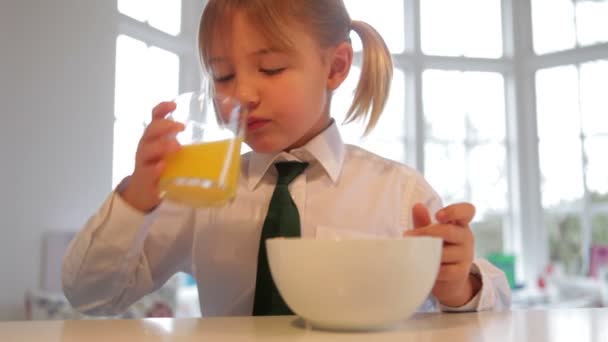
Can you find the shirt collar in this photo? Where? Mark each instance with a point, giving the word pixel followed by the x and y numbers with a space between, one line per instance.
pixel 327 148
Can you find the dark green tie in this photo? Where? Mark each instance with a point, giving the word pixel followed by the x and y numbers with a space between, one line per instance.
pixel 282 219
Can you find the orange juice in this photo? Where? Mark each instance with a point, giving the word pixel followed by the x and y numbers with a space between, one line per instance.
pixel 204 174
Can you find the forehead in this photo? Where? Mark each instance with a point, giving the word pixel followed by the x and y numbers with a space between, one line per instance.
pixel 239 33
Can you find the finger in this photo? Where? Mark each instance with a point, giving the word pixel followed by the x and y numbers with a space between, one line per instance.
pixel 150 173
pixel 162 109
pixel 454 254
pixel 461 214
pixel 162 127
pixel 452 272
pixel 420 216
pixel 156 150
pixel 450 233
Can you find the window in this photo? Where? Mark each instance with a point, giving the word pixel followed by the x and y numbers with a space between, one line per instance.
pixel 591 23
pixel 388 19
pixel 149 62
pixel 388 137
pixel 148 69
pixel 470 28
pixel 573 137
pixel 144 76
pixel 465 134
pixel 464 119
pixel 163 15
pixel 564 24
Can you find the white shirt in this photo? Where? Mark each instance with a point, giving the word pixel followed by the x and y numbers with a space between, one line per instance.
pixel 121 254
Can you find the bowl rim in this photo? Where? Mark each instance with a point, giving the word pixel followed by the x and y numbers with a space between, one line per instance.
pixel 408 239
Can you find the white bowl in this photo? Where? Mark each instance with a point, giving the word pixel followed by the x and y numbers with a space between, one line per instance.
pixel 354 284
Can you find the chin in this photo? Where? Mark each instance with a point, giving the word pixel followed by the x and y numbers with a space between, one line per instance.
pixel 262 145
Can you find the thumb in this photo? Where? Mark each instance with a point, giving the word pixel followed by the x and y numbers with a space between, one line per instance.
pixel 421 216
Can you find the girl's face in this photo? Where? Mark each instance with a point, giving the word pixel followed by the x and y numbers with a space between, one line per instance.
pixel 286 92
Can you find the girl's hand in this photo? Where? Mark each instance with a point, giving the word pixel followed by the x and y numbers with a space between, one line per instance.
pixel 142 191
pixel 455 285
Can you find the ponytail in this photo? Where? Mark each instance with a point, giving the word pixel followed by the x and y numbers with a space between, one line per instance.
pixel 371 94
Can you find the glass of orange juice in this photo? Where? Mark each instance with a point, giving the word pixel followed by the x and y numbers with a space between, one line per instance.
pixel 205 171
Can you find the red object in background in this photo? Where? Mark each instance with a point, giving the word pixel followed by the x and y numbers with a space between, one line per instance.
pixel 541 282
pixel 599 259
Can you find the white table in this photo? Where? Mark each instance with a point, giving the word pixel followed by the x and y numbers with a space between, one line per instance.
pixel 521 326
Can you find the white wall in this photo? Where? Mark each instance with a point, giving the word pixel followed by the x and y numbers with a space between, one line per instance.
pixel 56 104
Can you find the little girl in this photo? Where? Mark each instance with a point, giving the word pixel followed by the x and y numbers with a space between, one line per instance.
pixel 282 59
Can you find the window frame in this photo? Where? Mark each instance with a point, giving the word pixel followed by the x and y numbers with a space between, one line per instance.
pixel 181 44
pixel 525 233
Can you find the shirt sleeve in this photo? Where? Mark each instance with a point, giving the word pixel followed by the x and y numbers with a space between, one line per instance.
pixel 121 255
pixel 495 293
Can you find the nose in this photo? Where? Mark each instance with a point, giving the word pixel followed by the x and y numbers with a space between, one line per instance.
pixel 247 93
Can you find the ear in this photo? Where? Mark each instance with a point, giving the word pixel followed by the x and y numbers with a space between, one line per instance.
pixel 340 62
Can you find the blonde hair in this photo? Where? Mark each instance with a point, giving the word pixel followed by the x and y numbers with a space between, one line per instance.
pixel 329 23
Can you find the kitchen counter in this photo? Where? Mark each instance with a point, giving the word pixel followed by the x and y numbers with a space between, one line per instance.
pixel 534 326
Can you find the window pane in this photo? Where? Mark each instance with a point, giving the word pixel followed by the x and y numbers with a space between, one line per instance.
pixel 466 109
pixel 557 103
pixel 144 77
pixel 464 105
pixel 561 172
pixel 471 28
pixel 488 177
pixel 596 151
pixel 559 133
pixel 594 102
pixel 388 138
pixel 131 79
pixel 488 234
pixel 439 158
pixel 591 21
pixel 163 77
pixel 600 229
pixel 553 23
pixel 164 15
pixel 565 240
pixel 465 153
pixel 388 19
pixel 136 9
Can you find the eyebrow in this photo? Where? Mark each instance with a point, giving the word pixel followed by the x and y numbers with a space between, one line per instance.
pixel 261 52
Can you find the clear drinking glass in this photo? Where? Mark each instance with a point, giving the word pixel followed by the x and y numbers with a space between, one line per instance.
pixel 205 171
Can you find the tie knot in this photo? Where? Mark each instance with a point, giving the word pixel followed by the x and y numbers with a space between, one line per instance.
pixel 288 171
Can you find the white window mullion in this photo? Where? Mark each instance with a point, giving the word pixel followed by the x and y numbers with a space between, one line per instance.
pixel 529 237
pixel 141 31
pixel 586 219
pixel 572 56
pixel 413 91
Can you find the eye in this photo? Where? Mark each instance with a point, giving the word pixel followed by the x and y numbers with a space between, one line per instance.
pixel 223 79
pixel 272 72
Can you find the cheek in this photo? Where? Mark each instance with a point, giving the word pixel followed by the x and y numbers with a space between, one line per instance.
pixel 306 98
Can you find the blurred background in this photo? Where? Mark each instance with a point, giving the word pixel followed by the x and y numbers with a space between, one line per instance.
pixel 498 102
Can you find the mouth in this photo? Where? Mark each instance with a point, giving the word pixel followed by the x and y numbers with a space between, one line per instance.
pixel 256 123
